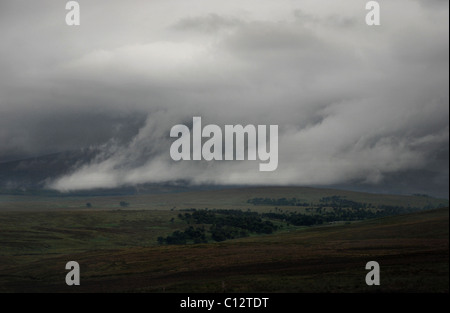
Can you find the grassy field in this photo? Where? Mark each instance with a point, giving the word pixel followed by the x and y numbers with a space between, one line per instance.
pixel 223 199
pixel 118 251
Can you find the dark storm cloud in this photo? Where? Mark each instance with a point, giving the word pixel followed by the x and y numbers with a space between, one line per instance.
pixel 353 103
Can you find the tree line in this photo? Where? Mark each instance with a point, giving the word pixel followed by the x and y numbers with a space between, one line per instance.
pixel 279 201
pixel 230 224
pixel 321 216
pixel 224 224
pixel 336 202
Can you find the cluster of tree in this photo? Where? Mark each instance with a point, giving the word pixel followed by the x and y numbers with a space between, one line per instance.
pixel 198 217
pixel 250 221
pixel 337 214
pixel 190 234
pixel 231 224
pixel 340 202
pixel 225 224
pixel 279 201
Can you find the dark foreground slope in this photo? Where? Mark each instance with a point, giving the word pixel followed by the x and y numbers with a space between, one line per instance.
pixel 412 250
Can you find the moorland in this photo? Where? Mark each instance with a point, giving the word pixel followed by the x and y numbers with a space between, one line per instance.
pixel 255 239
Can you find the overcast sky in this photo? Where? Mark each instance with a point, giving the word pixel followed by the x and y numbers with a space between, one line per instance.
pixel 356 105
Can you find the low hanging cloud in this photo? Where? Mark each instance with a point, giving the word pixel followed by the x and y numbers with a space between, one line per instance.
pixel 354 150
pixel 354 104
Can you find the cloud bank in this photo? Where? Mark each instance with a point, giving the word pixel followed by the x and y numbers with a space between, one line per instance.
pixel 354 104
